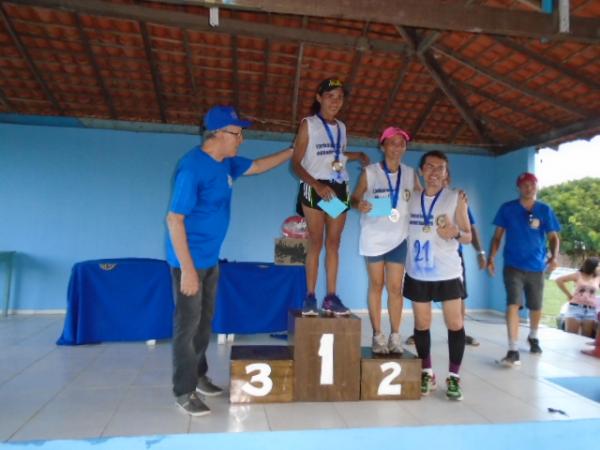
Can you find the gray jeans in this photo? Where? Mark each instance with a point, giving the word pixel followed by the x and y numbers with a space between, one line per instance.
pixel 192 329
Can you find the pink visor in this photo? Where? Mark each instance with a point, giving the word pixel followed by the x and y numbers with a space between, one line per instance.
pixel 393 131
pixel 526 176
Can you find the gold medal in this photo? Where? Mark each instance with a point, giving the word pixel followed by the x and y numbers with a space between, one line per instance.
pixel 426 228
pixel 337 166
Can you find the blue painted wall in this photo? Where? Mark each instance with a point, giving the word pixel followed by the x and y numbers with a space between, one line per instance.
pixel 71 194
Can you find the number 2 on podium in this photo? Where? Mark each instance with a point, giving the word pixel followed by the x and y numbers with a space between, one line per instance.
pixel 326 354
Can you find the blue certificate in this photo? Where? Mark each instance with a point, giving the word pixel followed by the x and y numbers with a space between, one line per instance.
pixel 381 207
pixel 333 207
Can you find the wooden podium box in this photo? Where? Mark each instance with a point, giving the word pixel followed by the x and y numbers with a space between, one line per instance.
pixel 261 374
pixel 390 377
pixel 326 357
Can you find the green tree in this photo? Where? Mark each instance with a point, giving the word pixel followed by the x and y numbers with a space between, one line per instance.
pixel 577 206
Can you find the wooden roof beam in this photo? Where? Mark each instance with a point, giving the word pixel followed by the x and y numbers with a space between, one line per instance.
pixel 392 97
pixel 30 64
pixel 154 71
pixel 512 84
pixel 94 63
pixel 436 72
pixel 197 22
pixel 190 71
pixel 433 99
pixel 555 134
pixel 560 68
pixel 431 14
pixel 297 84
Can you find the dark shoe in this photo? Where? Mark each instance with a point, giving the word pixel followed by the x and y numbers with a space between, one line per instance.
pixel 309 306
pixel 333 305
pixel 511 359
pixel 534 346
pixel 192 404
pixel 410 340
pixel 205 387
pixel 470 340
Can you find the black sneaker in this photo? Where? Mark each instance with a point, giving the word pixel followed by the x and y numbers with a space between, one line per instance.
pixel 206 387
pixel 534 345
pixel 511 359
pixel 192 404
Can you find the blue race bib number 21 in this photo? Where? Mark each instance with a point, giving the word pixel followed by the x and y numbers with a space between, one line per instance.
pixel 423 254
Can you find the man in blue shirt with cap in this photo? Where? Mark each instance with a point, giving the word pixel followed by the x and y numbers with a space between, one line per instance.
pixel 527 223
pixel 197 221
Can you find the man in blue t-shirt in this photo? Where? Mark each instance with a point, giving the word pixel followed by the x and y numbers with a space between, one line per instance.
pixel 527 223
pixel 197 221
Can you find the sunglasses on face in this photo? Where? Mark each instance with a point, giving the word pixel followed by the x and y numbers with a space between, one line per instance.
pixel 583 290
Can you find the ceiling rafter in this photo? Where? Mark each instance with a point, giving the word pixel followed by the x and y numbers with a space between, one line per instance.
pixel 441 80
pixel 235 76
pixel 440 16
pixel 153 71
pixel 263 92
pixel 197 22
pixel 433 99
pixel 505 104
pixel 297 84
pixel 196 90
pixel 30 64
pixel 90 54
pixel 512 84
pixel 392 97
pixel 557 133
pixel 5 102
pixel 536 56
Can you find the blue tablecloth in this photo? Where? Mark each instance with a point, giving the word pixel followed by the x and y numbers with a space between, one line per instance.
pixel 255 297
pixel 126 299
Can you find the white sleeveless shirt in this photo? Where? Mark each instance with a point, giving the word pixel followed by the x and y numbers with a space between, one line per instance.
pixel 379 235
pixel 431 258
pixel 320 153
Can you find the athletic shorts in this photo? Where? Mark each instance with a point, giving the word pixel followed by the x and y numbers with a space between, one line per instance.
pixel 427 291
pixel 307 196
pixel 518 282
pixel 581 312
pixel 396 255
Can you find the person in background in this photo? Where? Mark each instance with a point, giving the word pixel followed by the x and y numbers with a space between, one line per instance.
pixel 527 224
pixel 581 312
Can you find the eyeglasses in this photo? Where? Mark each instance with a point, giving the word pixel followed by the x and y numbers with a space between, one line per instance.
pixel 238 134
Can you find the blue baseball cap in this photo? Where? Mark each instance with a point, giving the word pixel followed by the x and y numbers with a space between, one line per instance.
pixel 219 117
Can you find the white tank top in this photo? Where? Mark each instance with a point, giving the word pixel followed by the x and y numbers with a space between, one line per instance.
pixel 379 235
pixel 431 258
pixel 320 153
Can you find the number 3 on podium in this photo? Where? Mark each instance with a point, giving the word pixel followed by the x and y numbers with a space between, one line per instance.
pixel 262 377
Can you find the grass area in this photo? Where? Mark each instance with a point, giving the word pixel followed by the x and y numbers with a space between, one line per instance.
pixel 554 298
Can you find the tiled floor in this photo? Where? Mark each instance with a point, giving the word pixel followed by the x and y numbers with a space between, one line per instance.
pixel 51 392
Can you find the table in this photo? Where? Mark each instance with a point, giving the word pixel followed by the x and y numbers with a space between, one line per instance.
pixel 8 258
pixel 255 297
pixel 124 299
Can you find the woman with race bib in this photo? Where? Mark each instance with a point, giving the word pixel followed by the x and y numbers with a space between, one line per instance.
pixel 438 223
pixel 382 195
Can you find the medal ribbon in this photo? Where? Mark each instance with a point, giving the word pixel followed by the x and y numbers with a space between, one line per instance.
pixel 394 193
pixel 336 145
pixel 427 216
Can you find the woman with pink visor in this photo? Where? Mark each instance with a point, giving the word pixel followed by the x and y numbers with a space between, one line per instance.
pixel 382 196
